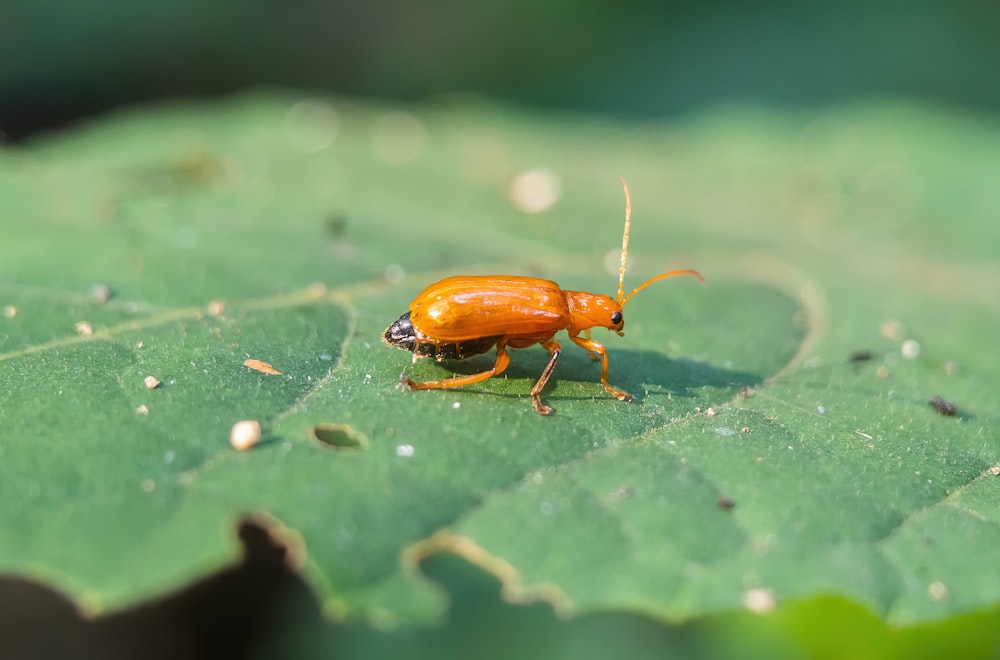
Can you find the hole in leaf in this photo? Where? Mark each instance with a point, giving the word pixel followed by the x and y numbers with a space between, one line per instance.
pixel 338 436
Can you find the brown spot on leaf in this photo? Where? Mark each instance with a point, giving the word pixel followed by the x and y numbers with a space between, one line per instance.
pixel 263 367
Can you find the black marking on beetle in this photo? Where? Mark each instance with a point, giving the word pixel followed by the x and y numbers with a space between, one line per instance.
pixel 402 334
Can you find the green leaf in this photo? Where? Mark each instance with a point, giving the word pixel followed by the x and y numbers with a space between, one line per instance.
pixel 757 461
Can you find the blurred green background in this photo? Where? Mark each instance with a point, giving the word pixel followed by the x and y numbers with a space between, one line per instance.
pixel 62 59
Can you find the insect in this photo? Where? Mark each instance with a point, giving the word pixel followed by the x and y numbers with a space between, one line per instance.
pixel 462 316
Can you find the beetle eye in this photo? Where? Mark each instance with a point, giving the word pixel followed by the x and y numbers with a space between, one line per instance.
pixel 616 317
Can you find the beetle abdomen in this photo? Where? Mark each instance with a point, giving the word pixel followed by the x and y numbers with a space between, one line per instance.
pixel 403 335
pixel 454 350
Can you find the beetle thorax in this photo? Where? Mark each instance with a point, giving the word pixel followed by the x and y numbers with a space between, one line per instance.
pixel 593 310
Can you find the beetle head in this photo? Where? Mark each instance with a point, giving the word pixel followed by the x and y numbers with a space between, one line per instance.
pixel 594 310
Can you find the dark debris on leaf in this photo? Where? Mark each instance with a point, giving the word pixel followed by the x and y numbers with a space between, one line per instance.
pixel 725 503
pixel 942 406
pixel 860 356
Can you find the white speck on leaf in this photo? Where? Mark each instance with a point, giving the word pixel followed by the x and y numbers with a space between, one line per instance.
pixel 938 591
pixel 759 600
pixel 244 434
pixel 890 329
pixel 100 293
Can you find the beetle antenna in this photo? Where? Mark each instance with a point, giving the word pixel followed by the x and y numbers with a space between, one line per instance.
pixel 621 268
pixel 628 225
pixel 661 276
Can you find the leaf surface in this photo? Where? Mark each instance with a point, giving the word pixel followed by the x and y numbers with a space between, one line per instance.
pixel 757 457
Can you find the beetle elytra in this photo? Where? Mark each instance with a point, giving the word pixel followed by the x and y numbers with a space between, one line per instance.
pixel 462 316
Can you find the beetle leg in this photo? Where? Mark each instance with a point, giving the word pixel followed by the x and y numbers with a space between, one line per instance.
pixel 596 347
pixel 503 359
pixel 553 348
pixel 594 355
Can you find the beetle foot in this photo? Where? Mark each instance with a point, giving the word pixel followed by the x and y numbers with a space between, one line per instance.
pixel 622 396
pixel 542 409
pixel 405 380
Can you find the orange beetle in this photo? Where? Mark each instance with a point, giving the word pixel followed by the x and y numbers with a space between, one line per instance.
pixel 462 316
